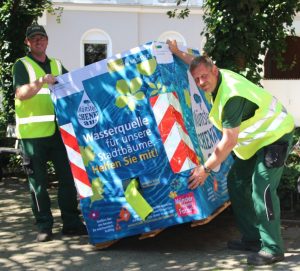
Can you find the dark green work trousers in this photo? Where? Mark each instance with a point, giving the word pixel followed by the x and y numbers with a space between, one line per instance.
pixel 36 154
pixel 252 189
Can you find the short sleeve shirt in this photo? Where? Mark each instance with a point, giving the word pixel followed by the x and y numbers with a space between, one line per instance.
pixel 236 110
pixel 21 76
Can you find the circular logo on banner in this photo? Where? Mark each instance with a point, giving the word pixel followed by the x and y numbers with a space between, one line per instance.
pixel 87 112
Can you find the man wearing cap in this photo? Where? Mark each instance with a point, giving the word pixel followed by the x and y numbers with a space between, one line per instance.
pixel 41 141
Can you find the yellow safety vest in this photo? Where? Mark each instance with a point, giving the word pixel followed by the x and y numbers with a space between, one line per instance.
pixel 35 116
pixel 269 123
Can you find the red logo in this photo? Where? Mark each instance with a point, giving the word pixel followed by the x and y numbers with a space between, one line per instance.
pixel 186 204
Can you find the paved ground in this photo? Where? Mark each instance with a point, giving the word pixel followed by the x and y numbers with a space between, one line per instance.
pixel 177 248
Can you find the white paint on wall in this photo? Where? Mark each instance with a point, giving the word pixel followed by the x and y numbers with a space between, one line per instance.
pixel 128 26
pixel 172 35
pixel 288 92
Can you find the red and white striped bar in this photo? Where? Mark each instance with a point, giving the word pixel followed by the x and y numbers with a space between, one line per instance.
pixel 80 176
pixel 177 143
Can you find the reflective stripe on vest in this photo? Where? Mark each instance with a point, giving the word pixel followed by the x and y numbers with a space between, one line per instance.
pixel 272 127
pixel 36 119
pixel 35 116
pixel 270 121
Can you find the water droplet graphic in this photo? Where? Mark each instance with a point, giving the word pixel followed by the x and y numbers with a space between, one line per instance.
pixel 197 98
pixel 87 112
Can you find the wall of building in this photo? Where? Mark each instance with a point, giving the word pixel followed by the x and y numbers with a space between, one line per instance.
pixel 127 26
pixel 288 92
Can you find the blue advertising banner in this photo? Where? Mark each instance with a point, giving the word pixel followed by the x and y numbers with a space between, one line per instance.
pixel 134 125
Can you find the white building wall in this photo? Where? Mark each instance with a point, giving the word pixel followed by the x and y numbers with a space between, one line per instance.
pixel 127 26
pixel 65 37
pixel 296 24
pixel 288 92
pixel 153 25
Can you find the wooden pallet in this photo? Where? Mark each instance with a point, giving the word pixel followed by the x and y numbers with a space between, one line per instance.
pixel 150 234
pixel 105 244
pixel 211 217
pixel 145 235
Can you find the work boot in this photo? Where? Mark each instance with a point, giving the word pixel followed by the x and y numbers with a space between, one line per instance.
pixel 44 235
pixel 73 231
pixel 254 246
pixel 263 258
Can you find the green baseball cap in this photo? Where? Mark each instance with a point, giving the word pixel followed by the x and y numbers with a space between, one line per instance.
pixel 35 30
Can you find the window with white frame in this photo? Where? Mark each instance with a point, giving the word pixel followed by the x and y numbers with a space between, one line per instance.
pixel 95 46
pixel 94 51
pixel 172 35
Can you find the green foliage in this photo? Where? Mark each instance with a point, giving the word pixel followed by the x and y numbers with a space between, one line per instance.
pixel 239 32
pixel 15 17
pixel 288 185
pixel 180 13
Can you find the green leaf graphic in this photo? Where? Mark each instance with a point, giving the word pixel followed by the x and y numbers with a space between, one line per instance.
pixel 187 97
pixel 121 101
pixel 131 103
pixel 87 155
pixel 97 188
pixel 139 95
pixel 135 84
pixel 122 87
pixel 147 67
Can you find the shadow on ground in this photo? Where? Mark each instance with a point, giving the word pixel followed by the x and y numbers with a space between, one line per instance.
pixel 176 248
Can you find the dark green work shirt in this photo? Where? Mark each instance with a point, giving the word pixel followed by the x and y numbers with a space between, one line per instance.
pixel 21 76
pixel 236 110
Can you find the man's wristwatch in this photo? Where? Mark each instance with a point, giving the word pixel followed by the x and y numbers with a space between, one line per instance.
pixel 206 169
